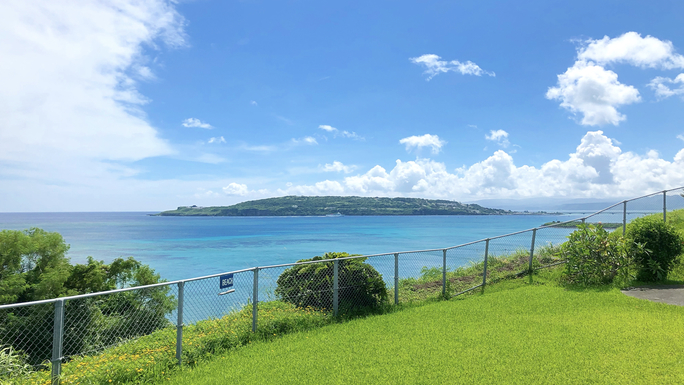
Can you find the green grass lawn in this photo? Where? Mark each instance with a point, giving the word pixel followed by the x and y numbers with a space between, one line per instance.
pixel 516 332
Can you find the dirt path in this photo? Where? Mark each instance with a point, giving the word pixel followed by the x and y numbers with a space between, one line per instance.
pixel 672 294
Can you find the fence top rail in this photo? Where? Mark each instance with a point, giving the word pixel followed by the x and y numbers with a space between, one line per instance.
pixel 47 301
pixel 99 293
pixel 655 193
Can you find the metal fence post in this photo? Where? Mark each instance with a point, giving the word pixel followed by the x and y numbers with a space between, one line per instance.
pixel 664 206
pixel 396 278
pixel 484 274
pixel 534 237
pixel 336 287
pixel 57 339
pixel 179 322
pixel 255 292
pixel 444 272
pixel 624 217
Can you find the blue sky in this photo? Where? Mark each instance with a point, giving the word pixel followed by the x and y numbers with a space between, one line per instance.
pixel 118 105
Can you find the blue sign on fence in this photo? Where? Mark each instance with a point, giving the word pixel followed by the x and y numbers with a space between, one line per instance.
pixel 226 281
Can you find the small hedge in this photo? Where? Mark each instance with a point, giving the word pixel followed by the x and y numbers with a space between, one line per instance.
pixel 593 257
pixel 361 287
pixel 661 246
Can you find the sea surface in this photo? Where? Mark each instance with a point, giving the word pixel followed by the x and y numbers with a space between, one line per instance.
pixel 186 247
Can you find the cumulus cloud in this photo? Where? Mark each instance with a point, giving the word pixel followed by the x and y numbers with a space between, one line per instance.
pixel 343 133
pixel 498 136
pixel 631 48
pixel 194 122
pixel 254 103
pixel 662 91
pixel 426 140
pixel 336 166
pixel 219 139
pixel 236 189
pixel 597 168
pixel 434 66
pixel 594 92
pixel 590 89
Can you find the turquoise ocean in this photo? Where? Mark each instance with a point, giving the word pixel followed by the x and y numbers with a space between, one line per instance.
pixel 186 247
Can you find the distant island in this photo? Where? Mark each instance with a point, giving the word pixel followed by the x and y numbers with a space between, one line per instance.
pixel 332 205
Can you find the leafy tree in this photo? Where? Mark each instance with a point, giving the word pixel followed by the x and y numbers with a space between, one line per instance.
pixel 34 266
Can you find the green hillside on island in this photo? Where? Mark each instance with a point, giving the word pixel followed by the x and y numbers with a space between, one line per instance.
pixel 330 205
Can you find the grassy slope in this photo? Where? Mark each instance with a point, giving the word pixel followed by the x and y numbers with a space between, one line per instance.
pixel 514 333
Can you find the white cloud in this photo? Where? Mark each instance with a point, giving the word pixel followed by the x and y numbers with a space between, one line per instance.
pixel 435 66
pixel 336 166
pixel 351 135
pixel 328 128
pixel 344 133
pixel 662 91
pixel 593 91
pixel 309 140
pixel 498 136
pixel 426 140
pixel 680 137
pixel 596 169
pixel 194 122
pixel 218 139
pixel 236 189
pixel 254 103
pixel 68 92
pixel 631 48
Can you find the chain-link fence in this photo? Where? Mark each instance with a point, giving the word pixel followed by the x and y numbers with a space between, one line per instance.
pixel 48 333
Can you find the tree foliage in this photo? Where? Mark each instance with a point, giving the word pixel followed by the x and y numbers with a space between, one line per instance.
pixel 360 286
pixel 34 266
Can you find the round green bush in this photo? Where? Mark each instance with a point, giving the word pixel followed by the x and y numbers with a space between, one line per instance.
pixel 360 286
pixel 593 257
pixel 661 244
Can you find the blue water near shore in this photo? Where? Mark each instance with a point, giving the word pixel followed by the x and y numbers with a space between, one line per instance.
pixel 184 247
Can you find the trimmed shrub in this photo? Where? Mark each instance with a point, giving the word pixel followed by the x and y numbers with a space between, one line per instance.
pixel 594 258
pixel 360 286
pixel 661 244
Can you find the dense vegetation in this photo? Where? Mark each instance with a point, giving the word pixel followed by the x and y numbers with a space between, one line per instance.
pixel 648 252
pixel 327 205
pixel 655 245
pixel 34 266
pixel 361 288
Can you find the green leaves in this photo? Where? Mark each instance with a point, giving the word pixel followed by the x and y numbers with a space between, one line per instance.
pixel 660 246
pixel 593 257
pixel 360 285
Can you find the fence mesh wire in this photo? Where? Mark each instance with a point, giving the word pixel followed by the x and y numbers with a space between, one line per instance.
pixel 28 329
pixel 332 287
